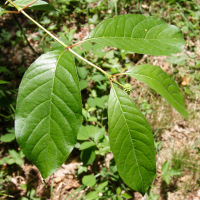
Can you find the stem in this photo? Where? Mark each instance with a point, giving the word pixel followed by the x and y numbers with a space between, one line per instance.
pixel 44 29
pixel 108 75
pixel 67 48
pixel 117 83
pixel 73 45
pixel 18 8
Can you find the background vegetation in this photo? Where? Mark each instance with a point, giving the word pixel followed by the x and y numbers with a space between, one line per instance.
pixel 90 171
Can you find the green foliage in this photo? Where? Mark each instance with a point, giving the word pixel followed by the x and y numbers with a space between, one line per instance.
pixel 167 172
pixel 8 137
pixel 162 83
pixel 152 196
pixel 49 108
pixel 14 158
pixel 38 5
pixel 131 141
pixel 139 34
pixel 48 126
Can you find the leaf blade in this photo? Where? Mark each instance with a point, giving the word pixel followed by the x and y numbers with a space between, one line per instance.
pixel 162 83
pixel 2 11
pixel 38 5
pixel 48 114
pixel 131 140
pixel 139 34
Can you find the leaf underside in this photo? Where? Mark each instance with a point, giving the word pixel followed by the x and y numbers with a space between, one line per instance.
pixel 139 34
pixel 162 83
pixel 49 111
pixel 131 141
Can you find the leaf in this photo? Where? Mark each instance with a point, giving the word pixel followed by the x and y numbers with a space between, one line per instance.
pixel 139 34
pixel 89 180
pixel 174 172
pixel 165 167
pixel 2 11
pixel 81 169
pixel 98 78
pixel 88 155
pixel 101 186
pixel 82 72
pixel 7 137
pixel 38 5
pixel 91 195
pixel 83 84
pixel 125 195
pixel 86 145
pixel 162 83
pixel 83 133
pixel 166 178
pixel 99 134
pixel 3 82
pixel 118 190
pixel 4 160
pixel 131 141
pixel 49 111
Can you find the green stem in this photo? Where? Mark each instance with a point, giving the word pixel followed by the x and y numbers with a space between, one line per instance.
pixel 44 29
pixel 118 83
pixel 17 7
pixel 108 75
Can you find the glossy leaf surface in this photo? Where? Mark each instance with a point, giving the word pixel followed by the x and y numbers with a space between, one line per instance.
pixel 162 83
pixel 131 141
pixel 49 111
pixel 38 5
pixel 139 34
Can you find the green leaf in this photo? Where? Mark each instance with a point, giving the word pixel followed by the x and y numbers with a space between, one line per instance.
pixel 125 195
pixel 174 172
pixel 38 5
pixel 82 72
pixel 87 46
pixel 4 160
pixel 86 145
pixel 91 195
pixel 139 34
pixel 153 196
pixel 83 84
pixel 89 180
pixel 162 83
pixel 4 82
pixel 98 78
pixel 166 178
pixel 99 134
pixel 131 141
pixel 165 167
pixel 81 169
pixel 49 111
pixel 2 11
pixel 83 133
pixel 101 186
pixel 88 155
pixel 119 190
pixel 7 137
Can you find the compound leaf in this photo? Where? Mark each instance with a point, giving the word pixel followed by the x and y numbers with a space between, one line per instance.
pixel 131 141
pixel 49 111
pixel 38 5
pixel 139 34
pixel 162 83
